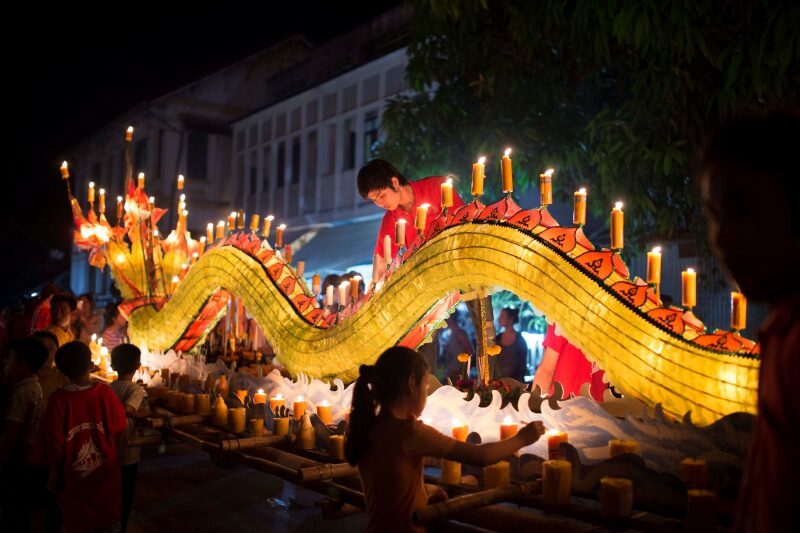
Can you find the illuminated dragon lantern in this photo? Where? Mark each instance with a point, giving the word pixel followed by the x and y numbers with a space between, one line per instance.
pixel 175 290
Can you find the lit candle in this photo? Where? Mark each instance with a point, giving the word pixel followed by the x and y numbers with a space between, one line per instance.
pixel 141 180
pixel 617 227
pixel 507 429
pixel 151 202
pixel 689 288
pixel 400 232
pixel 254 223
pixel 236 422
pixel 301 268
pixel 387 249
pixel 497 475
pixel 277 401
pixel 315 284
pixel 447 193
pixel 220 230
pixel 279 236
pixel 101 208
pixel 695 472
pixel 505 166
pixel 195 256
pixel 621 446
pixel 281 426
pixel 260 397
pixel 329 295
pixel 459 430
pixel 556 482
pixel 654 266
pixel 478 173
pixel 210 232
pixel 287 253
pixel 579 207
pixel 355 286
pixel 324 412
pixel 616 496
pixel 421 220
pixel 267 226
pixel 344 289
pixel 232 221
pixel 336 447
pixel 554 439
pixel 546 186
pixel 240 217
pixel 90 193
pixel 119 209
pixel 241 394
pixel 175 281
pixel 299 407
pixel 180 182
pixel 64 170
pixel 201 245
pixel 220 415
pixel 129 134
pixel 738 311
pixel 257 427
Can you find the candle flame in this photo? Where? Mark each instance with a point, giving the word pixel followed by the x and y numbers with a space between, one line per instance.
pixel 175 279
pixel 203 239
pixel 690 270
pixel 299 399
pixel 155 232
pixel 507 152
pixel 152 200
pixel 618 205
pixel 325 403
pixel 221 223
pixel 456 423
pixel 103 350
pixel 233 213
pixel 91 185
pixel 482 159
pixel 278 396
pixel 582 190
pixel 552 432
pixel 261 391
pixel 210 225
pixel 270 217
pixel 425 206
pixel 401 220
pixel 183 197
pixel 100 341
pixel 282 226
pixel 64 164
pixel 549 172
pixel 180 177
pixel 185 212
pixel 449 181
pixel 119 198
pixel 184 266
pixel 94 337
pixel 120 258
pixel 657 250
pixel 130 129
pixel 102 192
pixel 507 420
pixel 195 255
pixel 141 175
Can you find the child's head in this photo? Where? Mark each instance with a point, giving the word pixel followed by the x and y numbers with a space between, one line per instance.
pixel 62 306
pixel 748 181
pixel 380 182
pixel 125 359
pixel 398 377
pixel 26 357
pixel 74 360
pixel 508 317
pixel 51 343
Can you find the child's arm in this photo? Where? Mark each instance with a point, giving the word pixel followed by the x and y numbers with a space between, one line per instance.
pixel 490 453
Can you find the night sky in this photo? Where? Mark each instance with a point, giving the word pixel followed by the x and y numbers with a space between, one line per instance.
pixel 75 70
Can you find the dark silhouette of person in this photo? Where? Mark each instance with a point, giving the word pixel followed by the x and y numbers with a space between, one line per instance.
pixel 748 182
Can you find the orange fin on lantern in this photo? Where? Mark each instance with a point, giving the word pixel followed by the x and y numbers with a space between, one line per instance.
pixel 275 271
pixel 672 319
pixel 634 294
pixel 561 238
pixel 526 219
pixel 597 263
pixel 302 302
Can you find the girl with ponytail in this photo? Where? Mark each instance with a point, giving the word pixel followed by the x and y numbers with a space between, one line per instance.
pixel 387 442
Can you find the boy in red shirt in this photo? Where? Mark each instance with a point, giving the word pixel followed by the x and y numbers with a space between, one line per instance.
pixel 380 182
pixel 79 434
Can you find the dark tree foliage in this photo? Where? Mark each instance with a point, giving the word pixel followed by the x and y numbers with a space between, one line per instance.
pixel 616 95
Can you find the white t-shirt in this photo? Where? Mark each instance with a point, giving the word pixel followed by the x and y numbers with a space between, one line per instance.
pixel 133 394
pixel 25 406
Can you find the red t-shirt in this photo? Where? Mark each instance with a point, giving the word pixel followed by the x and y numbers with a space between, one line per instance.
pixel 426 191
pixel 573 369
pixel 78 439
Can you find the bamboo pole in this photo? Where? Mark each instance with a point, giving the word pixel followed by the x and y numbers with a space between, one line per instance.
pixel 145 440
pixel 191 439
pixel 263 465
pixel 184 420
pixel 253 442
pixel 325 472
pixel 459 504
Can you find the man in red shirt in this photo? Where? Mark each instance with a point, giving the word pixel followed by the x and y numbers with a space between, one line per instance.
pixel 749 185
pixel 380 182
pixel 79 433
